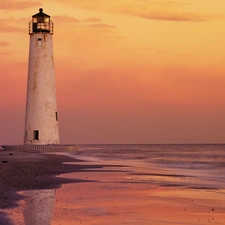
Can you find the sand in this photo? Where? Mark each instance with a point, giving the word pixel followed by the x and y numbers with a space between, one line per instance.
pixel 43 189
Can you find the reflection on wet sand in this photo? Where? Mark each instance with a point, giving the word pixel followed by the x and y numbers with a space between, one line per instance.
pixel 39 207
pixel 119 196
pixel 36 208
pixel 126 195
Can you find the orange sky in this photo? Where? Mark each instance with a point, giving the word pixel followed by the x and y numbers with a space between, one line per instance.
pixel 128 71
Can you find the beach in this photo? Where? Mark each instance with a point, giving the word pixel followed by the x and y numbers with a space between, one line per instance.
pixel 61 189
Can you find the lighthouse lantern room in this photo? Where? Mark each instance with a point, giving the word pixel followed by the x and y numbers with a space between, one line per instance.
pixel 41 23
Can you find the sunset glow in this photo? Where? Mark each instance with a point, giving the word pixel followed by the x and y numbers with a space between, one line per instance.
pixel 128 71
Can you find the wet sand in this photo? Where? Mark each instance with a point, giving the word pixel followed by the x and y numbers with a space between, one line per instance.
pixel 43 189
pixel 20 171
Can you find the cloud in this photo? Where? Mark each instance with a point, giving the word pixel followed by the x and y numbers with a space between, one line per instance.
pixel 65 19
pixel 70 19
pixel 4 44
pixel 167 11
pixel 4 53
pixel 10 25
pixel 6 27
pixel 17 5
pixel 147 9
pixel 92 20
pixel 9 29
pixel 174 16
pixel 102 26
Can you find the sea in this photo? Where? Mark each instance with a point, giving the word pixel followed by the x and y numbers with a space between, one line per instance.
pixel 204 163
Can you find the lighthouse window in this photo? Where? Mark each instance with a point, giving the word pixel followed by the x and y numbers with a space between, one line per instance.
pixel 39 41
pixel 47 20
pixel 36 135
pixel 56 116
pixel 40 19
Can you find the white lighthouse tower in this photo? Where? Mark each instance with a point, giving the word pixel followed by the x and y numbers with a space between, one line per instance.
pixel 41 122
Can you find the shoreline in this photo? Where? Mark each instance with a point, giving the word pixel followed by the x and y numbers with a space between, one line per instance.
pixel 20 171
pixel 73 191
pixel 23 171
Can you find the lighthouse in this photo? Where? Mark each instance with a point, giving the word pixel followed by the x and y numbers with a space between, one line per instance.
pixel 41 119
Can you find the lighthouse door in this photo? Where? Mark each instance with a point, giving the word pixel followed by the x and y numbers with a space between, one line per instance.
pixel 36 135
